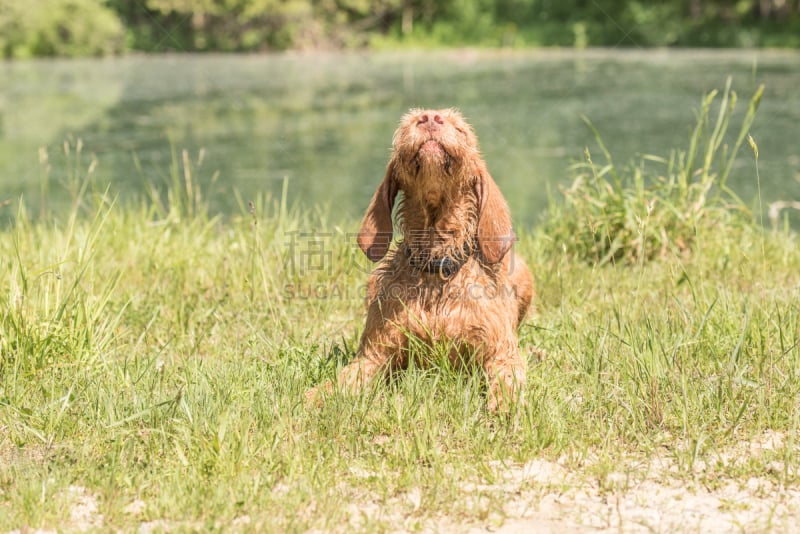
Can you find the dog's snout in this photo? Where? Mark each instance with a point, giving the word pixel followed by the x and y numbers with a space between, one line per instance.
pixel 430 122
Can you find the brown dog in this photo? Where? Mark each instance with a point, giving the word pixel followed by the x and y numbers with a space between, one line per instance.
pixel 453 276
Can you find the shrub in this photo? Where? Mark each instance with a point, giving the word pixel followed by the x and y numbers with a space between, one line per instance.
pixel 635 214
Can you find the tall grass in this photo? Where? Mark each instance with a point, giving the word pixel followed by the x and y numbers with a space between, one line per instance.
pixel 155 355
pixel 654 207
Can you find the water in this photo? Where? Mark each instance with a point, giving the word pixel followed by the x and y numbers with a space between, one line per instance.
pixel 324 122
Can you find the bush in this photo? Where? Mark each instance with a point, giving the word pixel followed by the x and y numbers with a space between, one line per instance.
pixel 58 28
pixel 635 214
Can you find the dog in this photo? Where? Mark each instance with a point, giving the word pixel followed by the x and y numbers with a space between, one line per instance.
pixel 453 276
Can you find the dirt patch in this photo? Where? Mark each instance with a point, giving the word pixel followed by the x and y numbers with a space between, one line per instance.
pixel 562 496
pixel 719 492
pixel 543 496
pixel 653 505
pixel 83 512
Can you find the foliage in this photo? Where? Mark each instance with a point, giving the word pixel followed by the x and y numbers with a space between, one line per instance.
pixel 81 27
pixel 58 28
pixel 636 214
pixel 225 25
pixel 273 24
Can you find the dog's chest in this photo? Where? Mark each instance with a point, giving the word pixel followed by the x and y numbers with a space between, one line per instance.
pixel 469 291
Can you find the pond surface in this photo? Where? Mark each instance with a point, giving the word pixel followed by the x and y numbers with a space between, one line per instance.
pixel 324 122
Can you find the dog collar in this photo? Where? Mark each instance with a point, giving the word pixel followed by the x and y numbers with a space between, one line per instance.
pixel 445 266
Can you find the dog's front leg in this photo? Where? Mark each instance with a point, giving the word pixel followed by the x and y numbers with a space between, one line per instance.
pixel 352 378
pixel 382 348
pixel 505 370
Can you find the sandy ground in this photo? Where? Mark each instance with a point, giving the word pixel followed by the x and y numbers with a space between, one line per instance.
pixel 654 496
pixel 653 503
pixel 546 497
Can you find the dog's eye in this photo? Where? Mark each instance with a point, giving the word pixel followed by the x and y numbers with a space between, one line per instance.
pixel 461 131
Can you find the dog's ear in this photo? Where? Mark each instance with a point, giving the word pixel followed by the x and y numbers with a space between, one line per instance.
pixel 495 235
pixel 376 228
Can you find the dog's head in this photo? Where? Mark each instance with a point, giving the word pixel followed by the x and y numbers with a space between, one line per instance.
pixel 431 148
pixel 436 160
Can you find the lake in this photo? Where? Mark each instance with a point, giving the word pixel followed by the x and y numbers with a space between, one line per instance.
pixel 324 122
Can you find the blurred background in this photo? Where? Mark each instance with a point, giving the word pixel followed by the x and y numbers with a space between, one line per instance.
pixel 307 93
pixel 92 27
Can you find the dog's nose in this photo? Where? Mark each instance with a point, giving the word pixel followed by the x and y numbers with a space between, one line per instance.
pixel 430 122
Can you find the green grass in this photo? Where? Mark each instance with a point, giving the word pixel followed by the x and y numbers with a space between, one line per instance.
pixel 654 207
pixel 153 352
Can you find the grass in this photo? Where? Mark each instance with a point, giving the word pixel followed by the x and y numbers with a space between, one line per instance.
pixel 154 356
pixel 638 213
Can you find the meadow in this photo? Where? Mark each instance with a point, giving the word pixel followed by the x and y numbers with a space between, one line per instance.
pixel 154 355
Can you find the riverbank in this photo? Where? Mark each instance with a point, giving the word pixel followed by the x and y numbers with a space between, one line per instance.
pixel 154 357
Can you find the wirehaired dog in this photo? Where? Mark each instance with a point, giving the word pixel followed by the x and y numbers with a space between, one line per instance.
pixel 453 275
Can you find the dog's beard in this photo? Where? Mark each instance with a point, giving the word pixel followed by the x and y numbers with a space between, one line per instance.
pixel 432 150
pixel 432 161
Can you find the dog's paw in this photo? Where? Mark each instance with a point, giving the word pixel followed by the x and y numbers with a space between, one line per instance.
pixel 505 397
pixel 313 397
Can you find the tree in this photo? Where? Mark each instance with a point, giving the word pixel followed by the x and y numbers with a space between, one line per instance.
pixel 58 28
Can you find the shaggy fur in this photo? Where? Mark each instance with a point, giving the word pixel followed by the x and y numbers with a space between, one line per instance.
pixel 453 276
